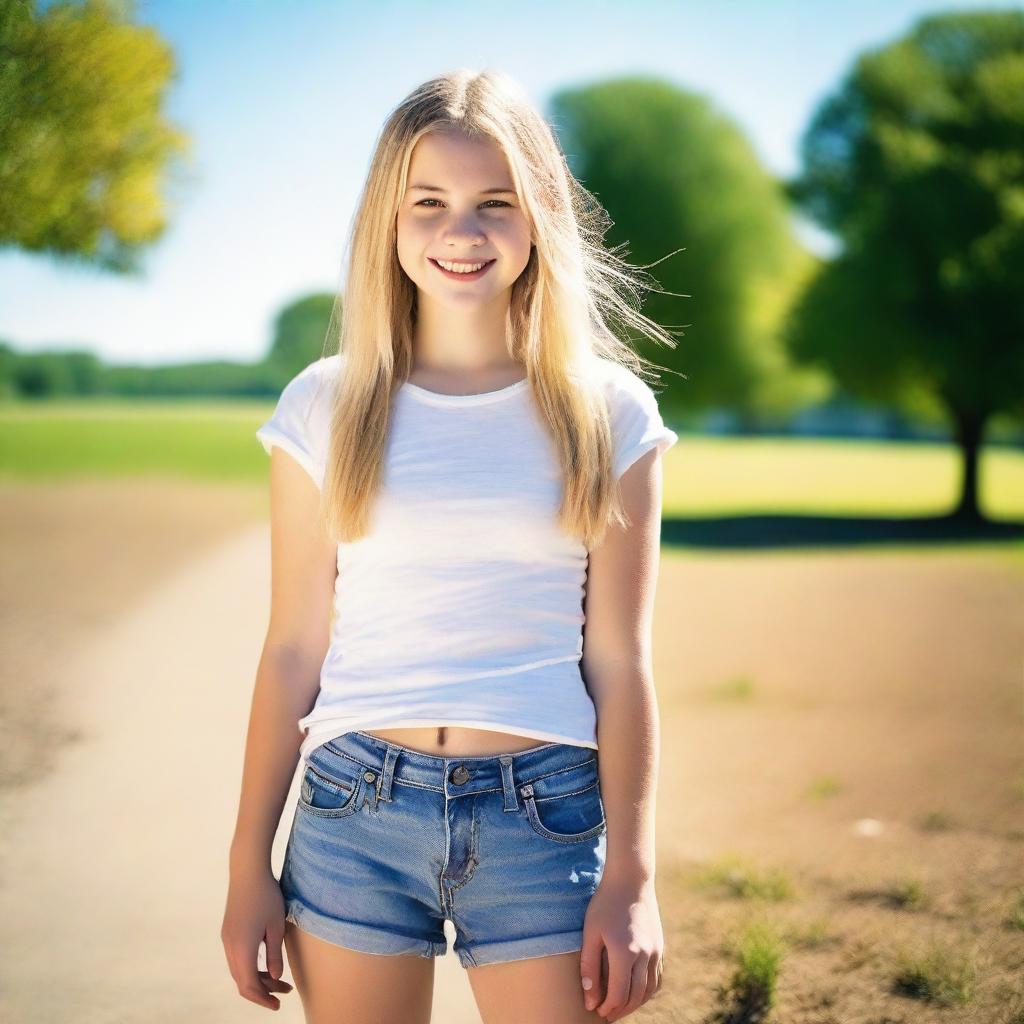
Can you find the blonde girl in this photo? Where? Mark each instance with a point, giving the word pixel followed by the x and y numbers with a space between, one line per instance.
pixel 470 479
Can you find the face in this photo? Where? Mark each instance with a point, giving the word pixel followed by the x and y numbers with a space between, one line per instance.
pixel 461 207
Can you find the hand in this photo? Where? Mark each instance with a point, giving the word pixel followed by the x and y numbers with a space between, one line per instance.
pixel 624 925
pixel 254 914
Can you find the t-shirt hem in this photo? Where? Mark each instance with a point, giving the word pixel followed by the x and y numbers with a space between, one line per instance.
pixel 663 440
pixel 269 436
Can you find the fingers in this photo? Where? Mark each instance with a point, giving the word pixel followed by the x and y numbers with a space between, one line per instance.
pixel 275 955
pixel 644 981
pixel 253 984
pixel 619 981
pixel 590 967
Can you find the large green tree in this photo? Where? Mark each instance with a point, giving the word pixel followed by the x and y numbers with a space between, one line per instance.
pixel 83 141
pixel 300 334
pixel 676 174
pixel 916 163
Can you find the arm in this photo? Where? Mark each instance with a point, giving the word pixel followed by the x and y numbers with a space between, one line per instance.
pixel 617 667
pixel 303 571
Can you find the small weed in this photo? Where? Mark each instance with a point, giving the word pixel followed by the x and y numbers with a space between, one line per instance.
pixel 938 974
pixel 739 688
pixel 824 787
pixel 750 993
pixel 744 881
pixel 908 894
pixel 936 821
pixel 814 934
pixel 1016 916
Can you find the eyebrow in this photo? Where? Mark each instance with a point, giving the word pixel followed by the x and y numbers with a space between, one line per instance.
pixel 483 192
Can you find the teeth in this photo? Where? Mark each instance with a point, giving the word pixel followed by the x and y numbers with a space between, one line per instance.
pixel 461 268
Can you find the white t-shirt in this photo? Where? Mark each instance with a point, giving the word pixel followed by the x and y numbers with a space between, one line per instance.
pixel 464 604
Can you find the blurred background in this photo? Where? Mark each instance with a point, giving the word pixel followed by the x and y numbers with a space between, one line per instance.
pixel 830 202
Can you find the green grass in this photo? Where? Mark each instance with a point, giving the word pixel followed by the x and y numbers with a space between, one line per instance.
pixel 736 877
pixel 703 475
pixel 203 441
pixel 938 973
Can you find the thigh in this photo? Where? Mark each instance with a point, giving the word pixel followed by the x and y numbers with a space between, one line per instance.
pixel 343 986
pixel 541 990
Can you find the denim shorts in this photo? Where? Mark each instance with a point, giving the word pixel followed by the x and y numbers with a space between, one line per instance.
pixel 387 843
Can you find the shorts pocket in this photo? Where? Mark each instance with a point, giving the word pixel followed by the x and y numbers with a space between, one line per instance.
pixel 566 807
pixel 330 796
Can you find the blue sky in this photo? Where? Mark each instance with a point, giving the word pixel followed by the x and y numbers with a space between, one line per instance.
pixel 284 103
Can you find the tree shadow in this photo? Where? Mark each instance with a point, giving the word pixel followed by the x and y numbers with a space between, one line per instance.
pixel 791 531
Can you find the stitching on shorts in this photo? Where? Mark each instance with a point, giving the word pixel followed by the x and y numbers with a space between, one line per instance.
pixel 344 787
pixel 474 858
pixel 560 771
pixel 562 796
pixel 348 757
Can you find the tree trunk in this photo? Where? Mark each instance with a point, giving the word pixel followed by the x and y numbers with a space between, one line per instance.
pixel 970 432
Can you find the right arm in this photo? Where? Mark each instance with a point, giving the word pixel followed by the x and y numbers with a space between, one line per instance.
pixel 303 572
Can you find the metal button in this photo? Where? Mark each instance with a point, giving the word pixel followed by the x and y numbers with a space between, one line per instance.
pixel 369 776
pixel 460 775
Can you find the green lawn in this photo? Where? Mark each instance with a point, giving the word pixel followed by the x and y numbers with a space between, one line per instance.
pixel 703 476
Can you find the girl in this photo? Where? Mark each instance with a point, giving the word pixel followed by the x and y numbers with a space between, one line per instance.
pixel 475 465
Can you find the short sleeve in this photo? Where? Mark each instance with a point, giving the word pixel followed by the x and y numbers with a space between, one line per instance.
pixel 298 422
pixel 637 425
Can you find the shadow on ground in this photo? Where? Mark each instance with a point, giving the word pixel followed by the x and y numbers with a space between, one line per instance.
pixel 790 531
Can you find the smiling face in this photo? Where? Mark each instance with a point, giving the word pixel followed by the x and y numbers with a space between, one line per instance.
pixel 461 208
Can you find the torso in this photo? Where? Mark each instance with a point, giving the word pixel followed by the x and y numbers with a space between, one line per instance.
pixel 459 741
pixel 456 741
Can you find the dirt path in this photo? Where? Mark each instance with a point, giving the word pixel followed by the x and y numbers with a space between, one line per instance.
pixel 802 695
pixel 116 871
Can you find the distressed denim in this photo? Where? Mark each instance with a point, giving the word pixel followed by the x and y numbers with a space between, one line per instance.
pixel 387 842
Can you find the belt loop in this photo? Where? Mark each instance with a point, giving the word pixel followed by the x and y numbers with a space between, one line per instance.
pixel 508 784
pixel 387 772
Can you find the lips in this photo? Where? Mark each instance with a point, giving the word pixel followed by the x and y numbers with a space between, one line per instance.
pixel 455 276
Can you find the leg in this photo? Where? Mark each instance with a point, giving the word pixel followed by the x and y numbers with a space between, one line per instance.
pixel 342 986
pixel 541 990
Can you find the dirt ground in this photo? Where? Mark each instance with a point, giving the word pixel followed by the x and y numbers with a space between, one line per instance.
pixel 849 724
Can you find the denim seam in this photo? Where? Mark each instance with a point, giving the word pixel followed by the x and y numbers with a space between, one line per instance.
pixel 474 859
pixel 561 796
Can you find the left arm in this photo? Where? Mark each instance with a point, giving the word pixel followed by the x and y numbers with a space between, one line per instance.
pixel 623 918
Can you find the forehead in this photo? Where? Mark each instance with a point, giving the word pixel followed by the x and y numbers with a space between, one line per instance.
pixel 451 160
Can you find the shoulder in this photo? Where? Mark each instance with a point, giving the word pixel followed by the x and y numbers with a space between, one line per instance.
pixel 624 389
pixel 318 376
pixel 633 413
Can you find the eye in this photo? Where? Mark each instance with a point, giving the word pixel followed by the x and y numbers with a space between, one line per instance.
pixel 500 202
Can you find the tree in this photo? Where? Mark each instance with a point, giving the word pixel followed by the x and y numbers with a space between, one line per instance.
pixel 300 333
pixel 675 174
pixel 83 142
pixel 917 164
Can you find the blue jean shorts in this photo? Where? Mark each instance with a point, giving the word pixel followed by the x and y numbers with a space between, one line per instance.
pixel 387 843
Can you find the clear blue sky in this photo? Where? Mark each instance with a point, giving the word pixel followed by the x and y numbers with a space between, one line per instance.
pixel 284 102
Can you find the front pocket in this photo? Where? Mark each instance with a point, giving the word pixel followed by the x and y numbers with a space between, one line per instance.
pixel 327 797
pixel 571 816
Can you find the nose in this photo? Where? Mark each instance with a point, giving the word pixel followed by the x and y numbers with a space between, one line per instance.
pixel 464 230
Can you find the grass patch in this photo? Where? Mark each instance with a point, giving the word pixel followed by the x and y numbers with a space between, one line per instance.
pixel 738 689
pixel 1015 919
pixel 936 821
pixel 739 879
pixel 907 894
pixel 824 787
pixel 937 974
pixel 750 992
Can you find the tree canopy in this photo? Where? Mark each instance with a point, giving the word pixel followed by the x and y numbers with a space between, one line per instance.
pixel 916 162
pixel 83 141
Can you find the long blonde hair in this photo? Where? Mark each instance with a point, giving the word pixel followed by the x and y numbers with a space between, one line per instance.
pixel 557 326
